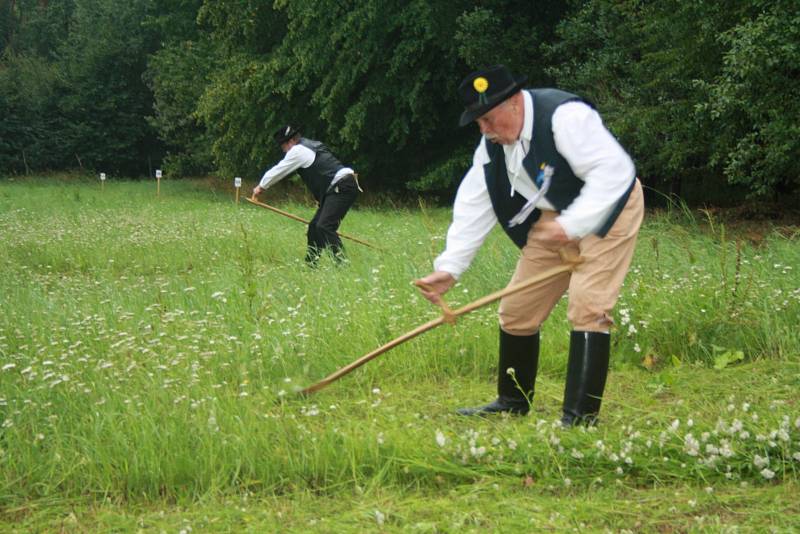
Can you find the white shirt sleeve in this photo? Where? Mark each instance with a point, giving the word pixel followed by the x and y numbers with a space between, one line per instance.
pixel 597 158
pixel 297 157
pixel 473 219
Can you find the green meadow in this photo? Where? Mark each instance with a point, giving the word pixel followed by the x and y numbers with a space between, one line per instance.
pixel 151 348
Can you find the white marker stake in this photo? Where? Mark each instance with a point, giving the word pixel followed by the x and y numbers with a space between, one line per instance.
pixel 102 180
pixel 238 183
pixel 158 182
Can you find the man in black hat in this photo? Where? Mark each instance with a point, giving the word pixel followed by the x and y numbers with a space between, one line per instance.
pixel 555 178
pixel 333 185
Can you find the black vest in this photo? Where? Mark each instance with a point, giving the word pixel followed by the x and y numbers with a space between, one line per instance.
pixel 564 186
pixel 319 175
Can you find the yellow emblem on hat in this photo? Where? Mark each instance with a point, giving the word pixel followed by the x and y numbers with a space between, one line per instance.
pixel 480 84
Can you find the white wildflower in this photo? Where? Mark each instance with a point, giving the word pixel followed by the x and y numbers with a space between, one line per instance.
pixel 760 461
pixel 379 517
pixel 440 439
pixel 725 449
pixel 768 473
pixel 691 445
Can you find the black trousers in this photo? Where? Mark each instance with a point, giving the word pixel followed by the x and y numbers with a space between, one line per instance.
pixel 323 226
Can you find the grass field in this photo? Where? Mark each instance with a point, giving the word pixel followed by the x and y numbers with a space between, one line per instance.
pixel 150 348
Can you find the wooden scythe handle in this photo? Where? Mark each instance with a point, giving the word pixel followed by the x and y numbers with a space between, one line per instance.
pixel 569 265
pixel 300 219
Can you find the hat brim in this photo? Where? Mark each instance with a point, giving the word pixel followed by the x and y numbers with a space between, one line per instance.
pixel 470 115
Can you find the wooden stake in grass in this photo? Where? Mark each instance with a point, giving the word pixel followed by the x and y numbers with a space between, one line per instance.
pixel 300 219
pixel 102 180
pixel 569 265
pixel 237 182
pixel 158 182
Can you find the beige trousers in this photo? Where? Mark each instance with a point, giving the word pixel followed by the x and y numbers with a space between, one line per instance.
pixel 593 286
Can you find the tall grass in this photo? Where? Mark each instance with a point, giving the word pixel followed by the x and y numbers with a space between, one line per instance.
pixel 151 348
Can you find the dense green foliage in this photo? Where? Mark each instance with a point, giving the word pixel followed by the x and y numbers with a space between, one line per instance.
pixel 71 88
pixel 701 93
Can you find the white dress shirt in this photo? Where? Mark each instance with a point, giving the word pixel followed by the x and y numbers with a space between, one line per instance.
pixel 594 156
pixel 297 157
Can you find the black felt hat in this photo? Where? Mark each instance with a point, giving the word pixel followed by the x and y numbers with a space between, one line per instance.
pixel 284 133
pixel 484 89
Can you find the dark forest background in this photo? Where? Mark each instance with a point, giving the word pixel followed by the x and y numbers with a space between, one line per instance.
pixel 703 94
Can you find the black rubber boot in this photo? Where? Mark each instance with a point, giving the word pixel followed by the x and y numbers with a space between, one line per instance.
pixel 586 377
pixel 514 391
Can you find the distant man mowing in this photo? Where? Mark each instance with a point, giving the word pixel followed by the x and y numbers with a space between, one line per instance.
pixel 333 185
pixel 554 177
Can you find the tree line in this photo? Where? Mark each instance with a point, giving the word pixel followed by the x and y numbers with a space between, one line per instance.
pixel 703 94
